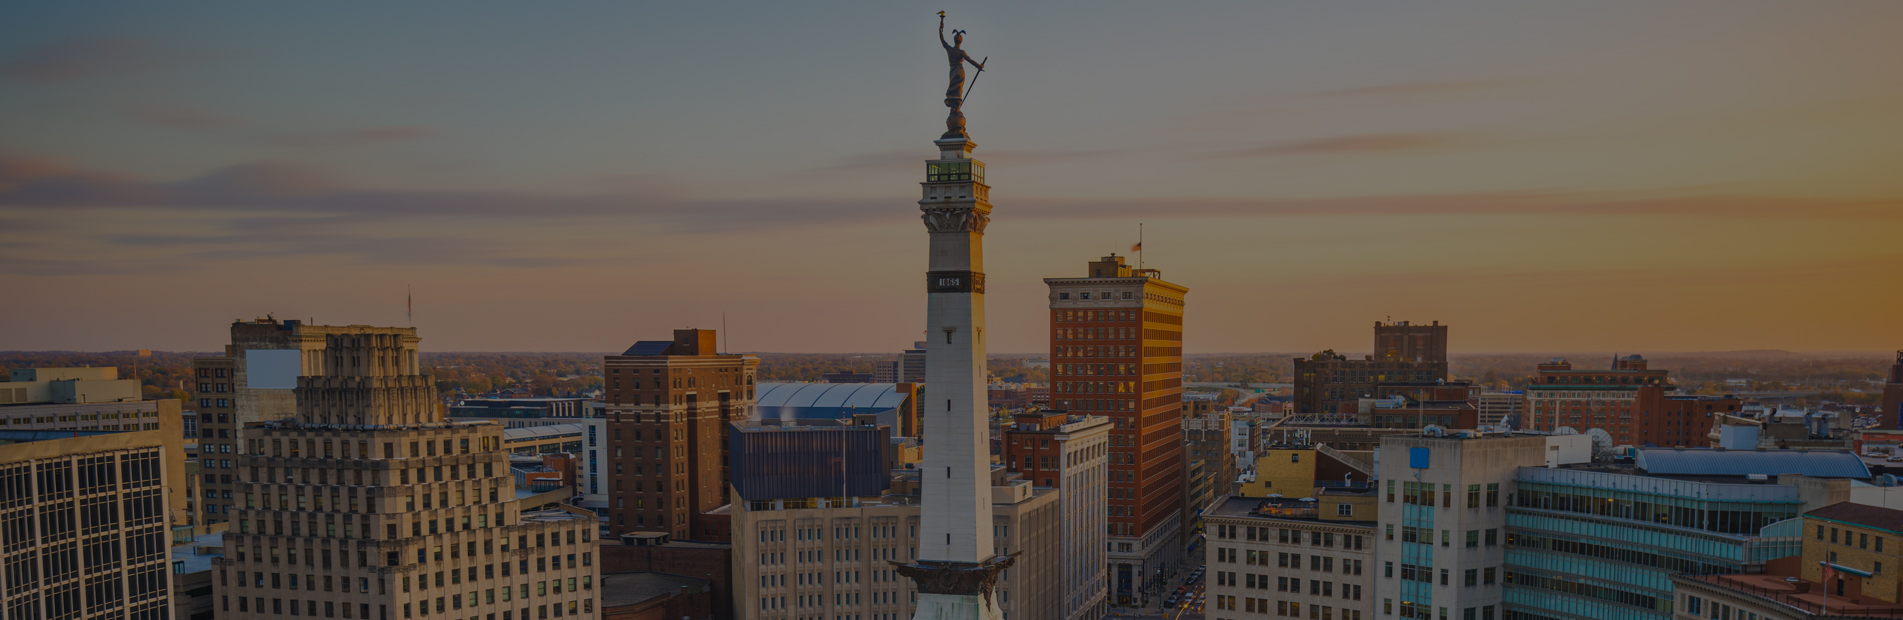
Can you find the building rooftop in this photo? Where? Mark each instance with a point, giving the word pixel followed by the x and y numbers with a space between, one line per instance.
pixel 1860 514
pixel 550 516
pixel 7 437
pixel 526 400
pixel 1270 508
pixel 771 397
pixel 513 435
pixel 1808 596
pixel 621 589
pixel 1718 462
pixel 649 347
pixel 197 556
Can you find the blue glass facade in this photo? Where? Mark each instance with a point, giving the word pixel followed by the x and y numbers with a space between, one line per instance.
pixel 1592 545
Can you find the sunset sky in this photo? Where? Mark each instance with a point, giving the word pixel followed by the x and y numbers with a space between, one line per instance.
pixel 1611 175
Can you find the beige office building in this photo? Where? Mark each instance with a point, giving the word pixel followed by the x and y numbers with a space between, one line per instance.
pixel 1286 557
pixel 366 505
pixel 84 519
pixel 255 379
pixel 96 399
pixel 1496 407
pixel 828 558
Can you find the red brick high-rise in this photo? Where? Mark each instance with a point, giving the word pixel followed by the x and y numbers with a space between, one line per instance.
pixel 1892 414
pixel 669 403
pixel 1117 351
pixel 1629 401
pixel 1400 341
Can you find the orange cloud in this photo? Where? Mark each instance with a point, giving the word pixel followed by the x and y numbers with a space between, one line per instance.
pixel 1418 89
pixel 1363 143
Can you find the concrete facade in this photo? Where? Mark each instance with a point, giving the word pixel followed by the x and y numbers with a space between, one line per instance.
pixel 85 524
pixel 1496 407
pixel 64 400
pixel 1070 453
pixel 1288 558
pixel 365 504
pixel 821 558
pixel 1435 490
pixel 254 380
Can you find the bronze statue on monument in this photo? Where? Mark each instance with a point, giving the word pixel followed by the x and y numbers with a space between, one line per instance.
pixel 955 91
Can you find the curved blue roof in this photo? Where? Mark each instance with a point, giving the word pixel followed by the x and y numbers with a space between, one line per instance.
pixel 1709 462
pixel 825 400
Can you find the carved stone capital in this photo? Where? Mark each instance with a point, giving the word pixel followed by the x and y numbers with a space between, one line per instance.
pixel 956 578
pixel 960 219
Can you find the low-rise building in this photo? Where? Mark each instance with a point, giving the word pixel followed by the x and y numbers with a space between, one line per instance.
pixel 826 557
pixel 1293 558
pixel 1070 452
pixel 1841 572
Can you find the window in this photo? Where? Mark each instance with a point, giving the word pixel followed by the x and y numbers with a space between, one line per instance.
pixel 1493 499
pixel 1348 510
pixel 1473 496
pixel 1471 578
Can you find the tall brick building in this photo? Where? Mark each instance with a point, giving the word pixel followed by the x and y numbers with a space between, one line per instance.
pixel 669 405
pixel 1117 352
pixel 253 382
pixel 1629 401
pixel 1328 382
pixel 1400 341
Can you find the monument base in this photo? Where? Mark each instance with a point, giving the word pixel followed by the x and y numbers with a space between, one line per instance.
pixel 957 590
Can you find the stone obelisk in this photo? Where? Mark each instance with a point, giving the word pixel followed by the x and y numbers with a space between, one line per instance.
pixel 957 566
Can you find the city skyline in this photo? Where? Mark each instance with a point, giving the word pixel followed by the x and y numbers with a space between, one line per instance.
pixel 1654 179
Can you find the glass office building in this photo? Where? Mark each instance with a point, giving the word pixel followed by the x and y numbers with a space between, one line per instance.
pixel 1600 545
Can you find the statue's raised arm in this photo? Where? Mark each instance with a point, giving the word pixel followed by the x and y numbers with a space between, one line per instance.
pixel 954 89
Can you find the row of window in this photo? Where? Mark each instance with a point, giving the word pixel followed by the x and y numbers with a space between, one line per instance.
pixel 1288 536
pixel 1321 563
pixel 1422 494
pixel 1423 611
pixel 1290 609
pixel 1425 536
pixel 309 608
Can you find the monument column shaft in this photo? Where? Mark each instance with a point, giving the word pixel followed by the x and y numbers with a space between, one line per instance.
pixel 956 472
